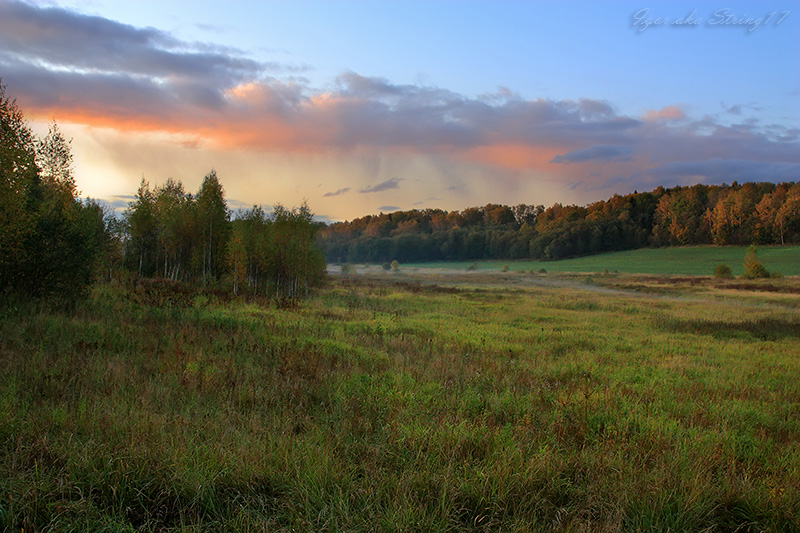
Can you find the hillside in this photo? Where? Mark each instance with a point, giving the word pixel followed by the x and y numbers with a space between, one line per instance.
pixel 761 213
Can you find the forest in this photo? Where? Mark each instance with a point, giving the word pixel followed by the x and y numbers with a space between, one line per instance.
pixel 736 214
pixel 52 243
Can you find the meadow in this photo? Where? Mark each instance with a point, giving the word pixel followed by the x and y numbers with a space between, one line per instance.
pixel 407 402
pixel 674 260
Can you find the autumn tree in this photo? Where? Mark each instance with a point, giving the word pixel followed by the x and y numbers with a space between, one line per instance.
pixel 733 218
pixel 680 217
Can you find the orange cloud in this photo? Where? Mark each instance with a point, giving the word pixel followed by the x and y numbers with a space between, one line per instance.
pixel 667 113
pixel 514 156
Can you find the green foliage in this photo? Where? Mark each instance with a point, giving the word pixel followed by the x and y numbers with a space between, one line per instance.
pixel 753 268
pixel 213 217
pixel 178 236
pixel 49 240
pixel 395 266
pixel 277 255
pixel 723 271
pixel 505 268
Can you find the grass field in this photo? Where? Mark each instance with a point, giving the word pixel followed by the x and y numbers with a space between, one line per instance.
pixel 408 403
pixel 687 260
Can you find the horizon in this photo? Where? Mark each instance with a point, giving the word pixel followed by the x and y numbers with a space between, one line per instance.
pixel 360 108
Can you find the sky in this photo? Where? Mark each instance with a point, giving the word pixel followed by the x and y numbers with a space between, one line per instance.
pixel 367 106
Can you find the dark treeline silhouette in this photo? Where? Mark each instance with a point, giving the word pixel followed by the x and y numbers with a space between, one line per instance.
pixel 54 244
pixel 761 213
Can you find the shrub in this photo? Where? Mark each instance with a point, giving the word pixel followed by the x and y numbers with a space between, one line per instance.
pixel 348 269
pixel 395 266
pixel 723 271
pixel 473 266
pixel 752 266
pixel 387 266
pixel 505 268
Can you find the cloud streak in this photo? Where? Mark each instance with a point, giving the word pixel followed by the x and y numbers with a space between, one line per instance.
pixel 595 153
pixel 95 71
pixel 336 193
pixel 393 183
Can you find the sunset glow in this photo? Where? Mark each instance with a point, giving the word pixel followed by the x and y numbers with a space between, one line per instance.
pixel 566 105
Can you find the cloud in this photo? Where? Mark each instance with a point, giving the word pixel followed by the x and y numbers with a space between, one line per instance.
pixel 336 193
pixel 717 170
pixel 595 153
pixel 393 183
pixel 69 41
pixel 388 208
pixel 98 72
pixel 667 113
pixel 428 200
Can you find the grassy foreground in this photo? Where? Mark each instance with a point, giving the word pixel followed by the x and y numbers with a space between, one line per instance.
pixel 676 260
pixel 391 406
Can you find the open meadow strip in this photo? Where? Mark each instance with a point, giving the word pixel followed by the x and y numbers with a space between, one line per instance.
pixel 379 405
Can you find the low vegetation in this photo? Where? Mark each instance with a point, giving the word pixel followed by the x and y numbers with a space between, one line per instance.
pixel 468 402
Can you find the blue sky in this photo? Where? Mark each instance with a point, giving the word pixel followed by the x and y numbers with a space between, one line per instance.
pixel 411 104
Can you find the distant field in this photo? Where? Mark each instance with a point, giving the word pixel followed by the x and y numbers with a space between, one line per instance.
pixel 684 260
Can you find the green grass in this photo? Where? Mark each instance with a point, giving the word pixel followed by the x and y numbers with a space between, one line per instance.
pixel 405 407
pixel 684 260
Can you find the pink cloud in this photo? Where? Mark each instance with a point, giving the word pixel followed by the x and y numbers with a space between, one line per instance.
pixel 665 114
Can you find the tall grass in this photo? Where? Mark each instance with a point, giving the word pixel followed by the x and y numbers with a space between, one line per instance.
pixel 380 406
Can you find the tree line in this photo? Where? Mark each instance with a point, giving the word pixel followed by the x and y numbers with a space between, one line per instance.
pixel 171 234
pixel 49 240
pixel 52 243
pixel 741 214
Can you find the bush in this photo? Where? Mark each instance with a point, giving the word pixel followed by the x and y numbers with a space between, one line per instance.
pixel 348 269
pixel 472 267
pixel 395 266
pixel 723 271
pixel 387 266
pixel 752 266
pixel 505 268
